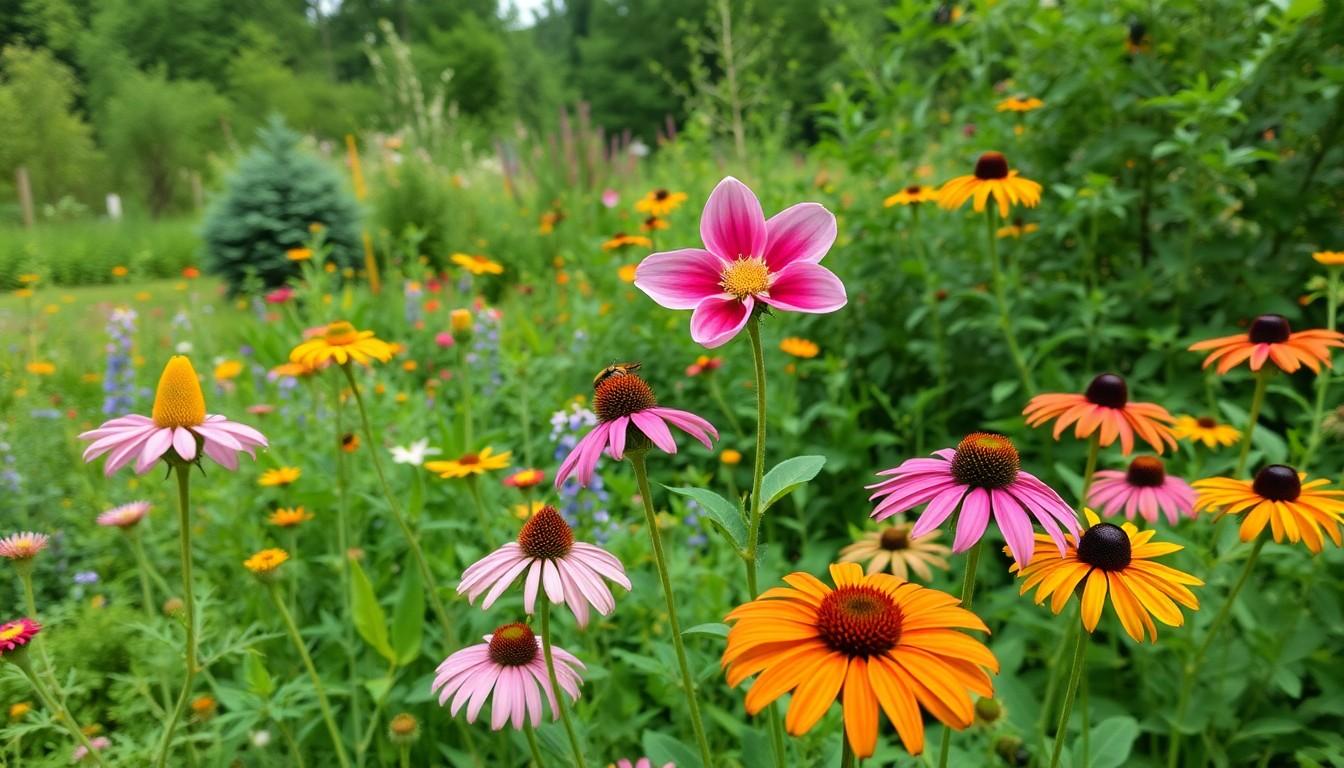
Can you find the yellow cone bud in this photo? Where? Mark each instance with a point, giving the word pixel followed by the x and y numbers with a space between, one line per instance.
pixel 179 401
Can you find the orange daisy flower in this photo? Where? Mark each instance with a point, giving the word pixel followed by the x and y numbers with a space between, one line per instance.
pixel 871 641
pixel 1104 405
pixel 912 195
pixel 1280 497
pixel 992 178
pixel 1271 338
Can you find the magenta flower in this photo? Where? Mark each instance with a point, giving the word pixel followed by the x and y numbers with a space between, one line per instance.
pixel 642 762
pixel 179 429
pixel 746 259
pixel 15 634
pixel 1145 488
pixel 628 416
pixel 510 664
pixel 982 477
pixel 124 516
pixel 570 572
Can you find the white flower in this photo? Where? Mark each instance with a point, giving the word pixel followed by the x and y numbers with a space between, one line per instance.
pixel 183 348
pixel 260 739
pixel 415 453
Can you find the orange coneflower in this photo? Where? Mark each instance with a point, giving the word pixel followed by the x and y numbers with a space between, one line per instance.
pixel 1016 230
pixel 289 517
pixel 1278 497
pixel 341 342
pixel 797 347
pixel 1329 258
pixel 1104 405
pixel 912 195
pixel 1270 337
pixel 1019 104
pixel 992 178
pixel 871 641
pixel 1206 430
pixel 280 476
pixel 621 240
pixel 653 224
pixel 660 202
pixel 1114 559
pixel 477 264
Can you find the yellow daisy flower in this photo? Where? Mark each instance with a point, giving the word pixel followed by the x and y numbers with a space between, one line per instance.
pixel 341 342
pixel 470 465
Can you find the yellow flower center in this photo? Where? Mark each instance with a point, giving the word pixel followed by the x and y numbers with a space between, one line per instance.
pixel 746 277
pixel 179 401
pixel 341 333
pixel 10 632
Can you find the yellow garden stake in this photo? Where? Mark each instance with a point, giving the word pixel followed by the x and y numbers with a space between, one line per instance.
pixel 362 193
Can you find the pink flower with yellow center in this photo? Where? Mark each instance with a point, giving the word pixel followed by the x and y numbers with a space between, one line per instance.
pixel 14 635
pixel 124 516
pixel 23 546
pixel 746 260
pixel 1146 489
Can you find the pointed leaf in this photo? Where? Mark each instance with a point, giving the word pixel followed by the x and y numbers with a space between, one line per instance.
pixel 787 476
pixel 719 511
pixel 370 621
pixel 408 618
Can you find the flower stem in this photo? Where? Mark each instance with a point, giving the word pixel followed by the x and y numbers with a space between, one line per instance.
pixel 321 692
pixel 343 554
pixel 687 682
pixel 1323 378
pixel 142 566
pixel 531 743
pixel 574 747
pixel 62 715
pixel 1005 318
pixel 1075 674
pixel 426 575
pixel 479 503
pixel 1093 448
pixel 1192 666
pixel 25 569
pixel 716 392
pixel 188 608
pixel 967 594
pixel 1257 400
pixel 931 308
pixel 846 752
pixel 464 375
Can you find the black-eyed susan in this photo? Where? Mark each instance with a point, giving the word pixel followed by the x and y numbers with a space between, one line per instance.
pixel 263 564
pixel 621 241
pixel 289 517
pixel 1017 229
pixel 1206 430
pixel 341 342
pixel 1115 560
pixel 1104 408
pixel 660 202
pixel 1271 338
pixel 1019 104
pixel 1279 496
pixel 280 476
pixel 349 442
pixel 653 224
pixel 992 178
pixel 477 264
pixel 799 347
pixel 470 465
pixel 912 195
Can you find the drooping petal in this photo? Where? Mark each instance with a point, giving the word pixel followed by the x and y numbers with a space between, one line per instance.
pixel 716 320
pixel 680 279
pixel 804 287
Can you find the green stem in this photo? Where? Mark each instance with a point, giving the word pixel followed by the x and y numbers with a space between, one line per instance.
pixel 25 569
pixel 1192 666
pixel 546 649
pixel 1093 448
pixel 716 392
pixel 967 595
pixel 1005 317
pixel 531 735
pixel 412 541
pixel 188 608
pixel 846 752
pixel 1257 400
pixel 405 757
pixel 147 597
pixel 660 560
pixel 343 554
pixel 940 366
pixel 1052 681
pixel 479 503
pixel 1075 674
pixel 464 376
pixel 321 692
pixel 1323 378
pixel 61 714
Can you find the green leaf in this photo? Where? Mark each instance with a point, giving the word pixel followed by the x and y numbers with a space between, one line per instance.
pixel 712 629
pixel 370 621
pixel 408 618
pixel 662 749
pixel 786 476
pixel 258 679
pixel 378 687
pixel 719 511
pixel 1112 740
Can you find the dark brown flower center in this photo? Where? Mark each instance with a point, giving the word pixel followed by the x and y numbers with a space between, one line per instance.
pixel 1105 546
pixel 1108 389
pixel 471 459
pixel 1206 422
pixel 1146 472
pixel 660 194
pixel 991 165
pixel 895 538
pixel 913 189
pixel 546 535
pixel 1137 31
pixel 513 645
pixel 1277 482
pixel 1270 329
pixel 617 396
pixel 986 460
pixel 859 621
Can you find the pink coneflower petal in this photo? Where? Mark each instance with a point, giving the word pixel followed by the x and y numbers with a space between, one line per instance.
pixel 509 672
pixel 801 233
pixel 655 429
pixel 808 288
pixel 616 435
pixel 733 223
pixel 717 320
pixel 680 279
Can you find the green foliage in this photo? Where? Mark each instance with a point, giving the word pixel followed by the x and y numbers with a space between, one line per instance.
pixel 85 252
pixel 276 193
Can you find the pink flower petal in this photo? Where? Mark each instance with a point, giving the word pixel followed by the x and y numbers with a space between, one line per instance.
pixel 716 321
pixel 1014 524
pixel 802 232
pixel 680 279
pixel 616 437
pixel 184 442
pixel 974 518
pixel 804 287
pixel 653 428
pixel 733 224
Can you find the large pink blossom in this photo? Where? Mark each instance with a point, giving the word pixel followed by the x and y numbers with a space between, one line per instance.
pixel 509 665
pixel 1146 489
pixel 746 259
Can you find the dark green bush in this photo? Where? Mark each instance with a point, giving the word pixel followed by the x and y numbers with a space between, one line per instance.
pixel 277 192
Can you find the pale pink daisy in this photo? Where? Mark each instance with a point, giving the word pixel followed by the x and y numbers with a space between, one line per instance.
pixel 1145 488
pixel 981 477
pixel 570 572
pixel 124 516
pixel 511 665
pixel 628 416
pixel 99 743
pixel 179 430
pixel 746 259
pixel 23 546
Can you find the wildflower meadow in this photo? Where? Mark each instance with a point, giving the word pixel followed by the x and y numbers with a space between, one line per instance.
pixel 688 384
